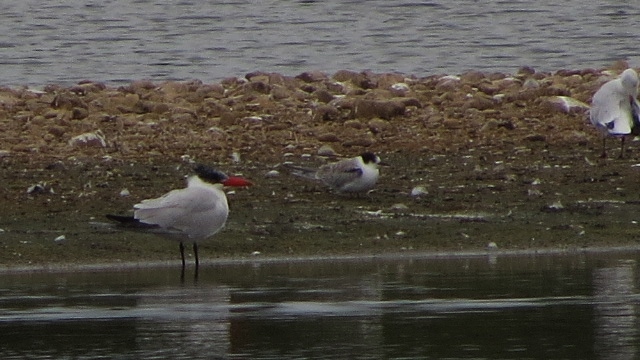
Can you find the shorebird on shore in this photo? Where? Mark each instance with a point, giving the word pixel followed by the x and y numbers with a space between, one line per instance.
pixel 192 214
pixel 354 175
pixel 615 109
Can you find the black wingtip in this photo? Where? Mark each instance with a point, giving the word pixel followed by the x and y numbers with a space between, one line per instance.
pixel 123 219
pixel 129 222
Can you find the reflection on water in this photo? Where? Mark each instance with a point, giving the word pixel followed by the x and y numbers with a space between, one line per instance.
pixel 551 307
pixel 615 315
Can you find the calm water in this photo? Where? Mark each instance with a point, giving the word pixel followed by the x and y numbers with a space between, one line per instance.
pixel 508 307
pixel 117 41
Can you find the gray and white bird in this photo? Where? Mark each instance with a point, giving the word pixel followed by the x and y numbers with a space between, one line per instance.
pixel 615 109
pixel 192 214
pixel 354 175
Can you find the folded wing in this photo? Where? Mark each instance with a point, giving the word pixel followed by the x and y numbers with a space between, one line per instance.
pixel 198 211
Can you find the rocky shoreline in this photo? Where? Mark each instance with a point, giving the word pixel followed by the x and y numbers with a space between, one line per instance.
pixel 493 160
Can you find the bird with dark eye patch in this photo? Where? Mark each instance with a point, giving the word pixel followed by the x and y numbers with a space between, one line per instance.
pixel 355 175
pixel 189 215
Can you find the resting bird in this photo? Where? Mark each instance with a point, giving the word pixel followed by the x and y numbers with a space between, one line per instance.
pixel 354 175
pixel 192 214
pixel 615 109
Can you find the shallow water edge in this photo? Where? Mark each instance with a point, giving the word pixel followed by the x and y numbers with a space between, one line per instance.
pixel 491 254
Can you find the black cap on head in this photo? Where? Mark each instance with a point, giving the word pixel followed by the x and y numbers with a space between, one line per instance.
pixel 209 174
pixel 369 157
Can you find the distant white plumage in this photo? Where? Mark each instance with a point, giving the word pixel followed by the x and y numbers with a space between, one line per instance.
pixel 358 174
pixel 615 108
pixel 192 214
pixel 196 212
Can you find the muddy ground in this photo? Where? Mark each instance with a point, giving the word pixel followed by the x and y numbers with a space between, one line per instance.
pixel 502 163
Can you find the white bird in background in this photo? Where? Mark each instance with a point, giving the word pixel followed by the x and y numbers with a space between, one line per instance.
pixel 358 174
pixel 192 214
pixel 615 109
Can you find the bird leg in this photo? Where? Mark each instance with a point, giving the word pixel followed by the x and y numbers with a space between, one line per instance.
pixel 622 147
pixel 182 254
pixel 195 253
pixel 603 155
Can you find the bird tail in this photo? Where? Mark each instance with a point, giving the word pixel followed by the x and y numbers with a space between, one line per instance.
pixel 635 115
pixel 304 172
pixel 128 221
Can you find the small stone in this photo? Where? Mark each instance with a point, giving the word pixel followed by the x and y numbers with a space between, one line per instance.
pixel 400 89
pixel 326 113
pixel 369 109
pixel 323 96
pixel 448 83
pixel 379 125
pixel 359 141
pixel 399 207
pixel 90 139
pixel 480 102
pixel 534 193
pixel 326 150
pixel 79 113
pixel 531 83
pixel 536 137
pixel 555 207
pixel 312 76
pixel 418 191
pixel 566 104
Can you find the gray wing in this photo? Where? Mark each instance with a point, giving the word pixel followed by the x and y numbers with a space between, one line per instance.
pixel 339 174
pixel 195 211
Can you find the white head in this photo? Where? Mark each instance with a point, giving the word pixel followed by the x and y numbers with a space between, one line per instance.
pixel 629 80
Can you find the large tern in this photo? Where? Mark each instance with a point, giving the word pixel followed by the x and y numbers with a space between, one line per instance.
pixel 354 175
pixel 192 214
pixel 615 109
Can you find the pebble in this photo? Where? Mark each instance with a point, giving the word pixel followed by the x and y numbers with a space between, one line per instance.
pixel 272 174
pixel 399 207
pixel 567 104
pixel 326 150
pixel 419 191
pixel 89 139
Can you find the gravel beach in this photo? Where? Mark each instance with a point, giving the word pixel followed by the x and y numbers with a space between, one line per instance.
pixel 477 162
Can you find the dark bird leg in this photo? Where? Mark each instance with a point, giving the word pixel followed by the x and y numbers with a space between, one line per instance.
pixel 195 253
pixel 622 147
pixel 603 155
pixel 182 254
